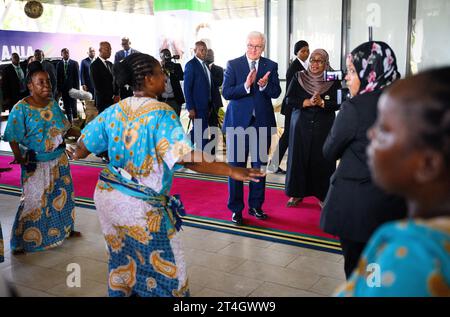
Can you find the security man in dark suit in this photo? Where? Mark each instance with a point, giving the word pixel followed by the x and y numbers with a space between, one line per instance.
pixel 67 77
pixel 217 79
pixel 13 83
pixel 173 95
pixel 124 91
pixel 85 72
pixel 106 93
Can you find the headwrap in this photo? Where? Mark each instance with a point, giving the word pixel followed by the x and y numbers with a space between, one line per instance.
pixel 299 45
pixel 376 65
pixel 315 83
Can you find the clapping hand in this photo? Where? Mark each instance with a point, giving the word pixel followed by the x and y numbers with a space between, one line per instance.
pixel 251 77
pixel 246 174
pixel 264 80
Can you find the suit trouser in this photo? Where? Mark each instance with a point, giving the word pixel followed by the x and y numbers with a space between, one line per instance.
pixel 213 121
pixel 199 131
pixel 283 143
pixel 239 146
pixel 352 251
pixel 70 107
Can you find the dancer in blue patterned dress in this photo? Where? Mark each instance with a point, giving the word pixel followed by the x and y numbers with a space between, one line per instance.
pixel 409 155
pixel 140 221
pixel 35 130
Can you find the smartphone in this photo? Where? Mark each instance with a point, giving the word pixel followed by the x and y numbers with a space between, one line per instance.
pixel 334 75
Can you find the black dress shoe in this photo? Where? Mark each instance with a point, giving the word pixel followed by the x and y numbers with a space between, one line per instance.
pixel 258 213
pixel 280 171
pixel 237 218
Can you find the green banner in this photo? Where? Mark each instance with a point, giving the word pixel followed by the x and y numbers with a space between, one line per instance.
pixel 191 5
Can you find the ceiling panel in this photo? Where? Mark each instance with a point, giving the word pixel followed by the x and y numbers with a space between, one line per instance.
pixel 222 9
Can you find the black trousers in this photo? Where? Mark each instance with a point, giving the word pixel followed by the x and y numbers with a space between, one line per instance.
pixel 352 251
pixel 70 107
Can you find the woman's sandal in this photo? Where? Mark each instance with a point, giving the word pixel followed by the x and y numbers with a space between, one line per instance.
pixel 293 202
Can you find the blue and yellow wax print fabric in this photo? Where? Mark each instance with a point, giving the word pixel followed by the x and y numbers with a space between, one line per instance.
pixel 142 136
pixel 413 258
pixel 46 212
pixel 145 138
pixel 38 129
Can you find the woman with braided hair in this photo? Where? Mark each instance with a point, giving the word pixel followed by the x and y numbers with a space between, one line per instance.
pixel 139 219
pixel 409 155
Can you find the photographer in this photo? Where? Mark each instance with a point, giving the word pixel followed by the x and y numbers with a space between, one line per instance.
pixel 173 94
pixel 355 206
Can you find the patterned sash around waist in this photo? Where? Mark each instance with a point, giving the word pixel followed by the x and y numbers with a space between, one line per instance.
pixel 120 180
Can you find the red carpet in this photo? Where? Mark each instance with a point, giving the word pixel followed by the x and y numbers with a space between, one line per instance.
pixel 208 199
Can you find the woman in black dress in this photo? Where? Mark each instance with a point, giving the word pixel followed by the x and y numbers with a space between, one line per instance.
pixel 314 102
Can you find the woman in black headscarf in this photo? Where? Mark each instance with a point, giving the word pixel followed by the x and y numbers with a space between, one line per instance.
pixel 354 206
pixel 314 102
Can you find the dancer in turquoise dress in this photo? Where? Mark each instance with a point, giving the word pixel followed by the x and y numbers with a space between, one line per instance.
pixel 35 130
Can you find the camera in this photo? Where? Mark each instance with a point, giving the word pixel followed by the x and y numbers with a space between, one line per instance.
pixel 337 75
pixel 167 58
pixel 333 75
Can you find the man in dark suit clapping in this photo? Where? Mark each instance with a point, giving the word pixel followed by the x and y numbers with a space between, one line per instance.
pixel 67 77
pixel 102 78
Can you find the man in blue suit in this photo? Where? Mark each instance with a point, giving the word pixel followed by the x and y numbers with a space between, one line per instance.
pixel 198 94
pixel 67 77
pixel 85 74
pixel 127 50
pixel 250 82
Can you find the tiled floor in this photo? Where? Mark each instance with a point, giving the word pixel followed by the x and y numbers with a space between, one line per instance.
pixel 219 264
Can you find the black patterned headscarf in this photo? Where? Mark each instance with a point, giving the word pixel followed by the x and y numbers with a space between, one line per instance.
pixel 376 65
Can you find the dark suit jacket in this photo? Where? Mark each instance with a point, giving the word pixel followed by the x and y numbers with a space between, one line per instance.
pixel 85 77
pixel 50 69
pixel 176 75
pixel 355 207
pixel 121 54
pixel 104 87
pixel 295 67
pixel 11 87
pixel 217 79
pixel 197 90
pixel 71 81
pixel 242 104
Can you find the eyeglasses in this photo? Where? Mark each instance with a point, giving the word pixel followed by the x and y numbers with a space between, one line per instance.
pixel 254 47
pixel 318 61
